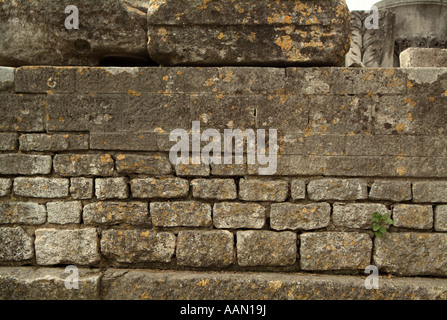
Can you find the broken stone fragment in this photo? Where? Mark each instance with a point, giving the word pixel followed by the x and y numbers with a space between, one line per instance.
pixel 34 32
pixel 248 33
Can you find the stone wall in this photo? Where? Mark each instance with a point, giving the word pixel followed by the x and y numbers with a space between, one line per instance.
pixel 86 180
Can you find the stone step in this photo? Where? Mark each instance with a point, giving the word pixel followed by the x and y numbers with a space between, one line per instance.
pixel 26 283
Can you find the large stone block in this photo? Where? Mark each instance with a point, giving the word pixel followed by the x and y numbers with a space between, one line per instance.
pixel 17 245
pixel 22 113
pixel 205 248
pixel 266 248
pixel 151 188
pixel 81 188
pixel 266 33
pixel 412 254
pixel 64 212
pixel 55 142
pixel 356 215
pixel 335 251
pixel 41 187
pixel 78 247
pixel 337 189
pixel 390 190
pixel 181 214
pixel 136 246
pixel 290 216
pixel 423 58
pixel 106 29
pixel 430 191
pixel 113 213
pixel 7 77
pixel 25 164
pixel 74 165
pixel 111 188
pixel 441 218
pixel 157 165
pixel 5 186
pixel 51 80
pixel 219 189
pixel 28 213
pixel 233 215
pixel 263 190
pixel 413 216
pixel 8 141
pixel 27 283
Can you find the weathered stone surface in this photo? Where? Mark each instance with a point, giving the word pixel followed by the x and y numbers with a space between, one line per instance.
pixel 423 58
pixel 64 212
pixel 156 165
pixel 335 251
pixel 111 188
pixel 263 190
pixel 290 216
pixel 41 187
pixel 219 189
pixel 151 188
pixel 181 214
pixel 430 191
pixel 29 213
pixel 205 248
pixel 441 218
pixel 391 190
pixel 337 189
pixel 5 186
pixel 25 283
pixel 25 164
pixel 126 141
pixel 162 285
pixel 78 247
pixel 266 248
pixel 55 142
pixel 298 189
pixel 233 215
pixel 22 113
pixel 83 165
pixel 107 29
pixel 230 170
pixel 8 141
pixel 248 33
pixel 7 79
pixel 134 246
pixel 356 215
pixel 413 216
pixel 192 170
pixel 113 213
pixel 51 80
pixel 81 188
pixel 16 245
pixel 412 254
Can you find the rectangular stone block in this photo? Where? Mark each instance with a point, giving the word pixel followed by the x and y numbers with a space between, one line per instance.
pixel 22 113
pixel 64 212
pixel 263 190
pixel 5 186
pixel 81 188
pixel 413 216
pixel 218 189
pixel 151 188
pixel 74 165
pixel 262 33
pixel 53 142
pixel 27 283
pixel 423 58
pixel 45 80
pixel 293 165
pixel 15 164
pixel 233 215
pixel 28 213
pixel 266 248
pixel 157 165
pixel 356 215
pixel 229 170
pixel 412 254
pixel 192 170
pixel 324 145
pixel 79 247
pixel 337 189
pixel 7 79
pixel 441 218
pixel 138 246
pixel 291 216
pixel 41 187
pixel 8 141
pixel 181 214
pixel 114 213
pixel 127 141
pixel 391 190
pixel 16 246
pixel 205 249
pixel 111 188
pixel 430 191
pixel 298 189
pixel 335 251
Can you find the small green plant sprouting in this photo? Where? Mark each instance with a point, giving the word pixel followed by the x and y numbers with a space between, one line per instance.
pixel 380 222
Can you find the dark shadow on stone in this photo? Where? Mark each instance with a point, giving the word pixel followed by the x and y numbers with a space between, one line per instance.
pixel 122 61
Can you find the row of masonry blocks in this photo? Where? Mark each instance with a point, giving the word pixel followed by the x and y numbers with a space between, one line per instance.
pixel 313 251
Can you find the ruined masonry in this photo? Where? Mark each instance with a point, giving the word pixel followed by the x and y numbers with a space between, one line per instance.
pixel 86 179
